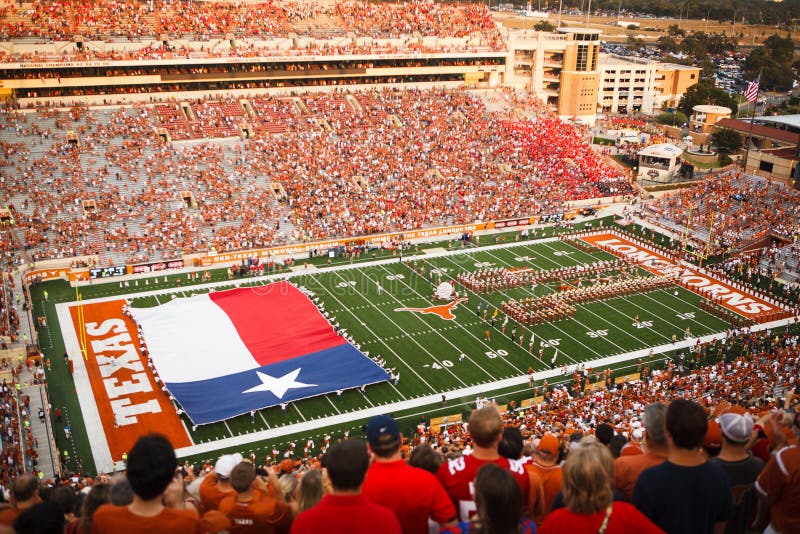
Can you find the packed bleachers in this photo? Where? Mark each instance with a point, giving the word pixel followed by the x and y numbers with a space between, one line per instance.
pixel 380 19
pixel 11 460
pixel 185 19
pixel 115 192
pixel 738 209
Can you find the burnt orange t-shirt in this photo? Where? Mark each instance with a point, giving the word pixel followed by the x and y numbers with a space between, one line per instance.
pixel 780 480
pixel 551 477
pixel 9 515
pixel 119 520
pixel 262 514
pixel 210 494
pixel 628 468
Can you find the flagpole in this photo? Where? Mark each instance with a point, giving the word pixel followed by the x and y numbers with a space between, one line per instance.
pixel 752 121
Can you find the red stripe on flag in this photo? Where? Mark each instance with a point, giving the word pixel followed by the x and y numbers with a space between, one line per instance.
pixel 751 94
pixel 276 322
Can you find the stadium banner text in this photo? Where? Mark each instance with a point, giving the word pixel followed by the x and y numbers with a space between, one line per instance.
pixel 129 400
pixel 697 281
pixel 217 259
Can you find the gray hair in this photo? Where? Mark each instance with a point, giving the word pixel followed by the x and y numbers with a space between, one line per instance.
pixel 655 416
pixel 121 492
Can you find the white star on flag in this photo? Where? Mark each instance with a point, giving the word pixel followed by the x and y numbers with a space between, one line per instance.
pixel 278 386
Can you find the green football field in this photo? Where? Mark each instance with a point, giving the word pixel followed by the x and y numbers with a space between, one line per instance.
pixel 432 356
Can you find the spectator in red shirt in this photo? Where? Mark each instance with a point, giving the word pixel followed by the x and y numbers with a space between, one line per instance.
pixel 345 510
pixel 457 475
pixel 588 495
pixel 778 485
pixel 499 502
pixel 412 493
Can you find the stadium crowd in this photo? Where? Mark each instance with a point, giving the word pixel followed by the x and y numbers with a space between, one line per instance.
pixel 738 209
pixel 706 444
pixel 343 169
pixel 180 19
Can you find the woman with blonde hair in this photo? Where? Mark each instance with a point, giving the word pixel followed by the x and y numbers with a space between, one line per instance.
pixel 588 492
pixel 310 491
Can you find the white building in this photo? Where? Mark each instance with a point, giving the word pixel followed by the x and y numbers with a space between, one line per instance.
pixel 631 85
pixel 567 71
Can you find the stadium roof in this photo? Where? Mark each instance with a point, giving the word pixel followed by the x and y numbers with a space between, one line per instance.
pixel 661 150
pixel 792 121
pixel 759 130
pixel 705 108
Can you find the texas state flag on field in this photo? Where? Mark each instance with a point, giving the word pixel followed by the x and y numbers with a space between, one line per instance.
pixel 223 354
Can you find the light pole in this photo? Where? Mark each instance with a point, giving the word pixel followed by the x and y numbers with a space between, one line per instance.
pixel 558 23
pixel 588 14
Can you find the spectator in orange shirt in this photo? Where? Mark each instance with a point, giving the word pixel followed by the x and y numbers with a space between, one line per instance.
pixel 546 466
pixel 778 487
pixel 511 447
pixel 259 504
pixel 216 485
pixel 157 494
pixel 628 468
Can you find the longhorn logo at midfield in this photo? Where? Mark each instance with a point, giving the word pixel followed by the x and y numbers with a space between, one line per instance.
pixel 445 311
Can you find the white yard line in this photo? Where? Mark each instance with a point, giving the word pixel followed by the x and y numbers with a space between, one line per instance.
pixel 410 338
pixel 460 325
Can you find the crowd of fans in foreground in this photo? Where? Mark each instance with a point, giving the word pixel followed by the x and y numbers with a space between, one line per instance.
pixel 442 158
pixel 691 448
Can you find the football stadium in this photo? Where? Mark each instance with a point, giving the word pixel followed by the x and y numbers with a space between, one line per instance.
pixel 254 248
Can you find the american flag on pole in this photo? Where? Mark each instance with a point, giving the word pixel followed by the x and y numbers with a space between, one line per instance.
pixel 751 93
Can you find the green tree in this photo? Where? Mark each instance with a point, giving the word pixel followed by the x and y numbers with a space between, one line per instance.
pixel 544 26
pixel 708 68
pixel 774 61
pixel 721 43
pixel 727 141
pixel 675 31
pixel 672 119
pixel 705 92
pixel 695 44
pixel 781 49
pixel 668 45
pixel 635 43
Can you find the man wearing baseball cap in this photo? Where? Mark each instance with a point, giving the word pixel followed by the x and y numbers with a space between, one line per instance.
pixel 413 494
pixel 741 466
pixel 217 484
pixel 345 510
pixel 546 465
